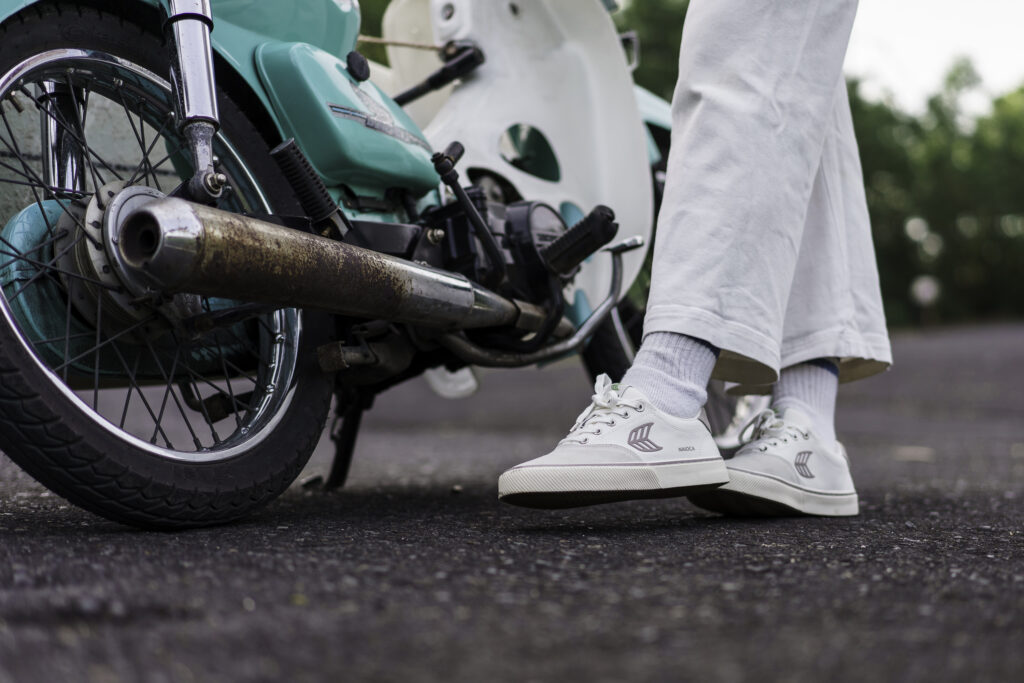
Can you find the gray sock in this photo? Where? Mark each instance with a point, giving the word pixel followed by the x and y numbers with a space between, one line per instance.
pixel 673 371
pixel 810 387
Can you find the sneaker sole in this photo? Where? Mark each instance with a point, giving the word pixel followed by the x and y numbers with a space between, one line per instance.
pixel 566 486
pixel 753 495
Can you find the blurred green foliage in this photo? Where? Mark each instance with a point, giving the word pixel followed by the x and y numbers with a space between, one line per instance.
pixel 945 190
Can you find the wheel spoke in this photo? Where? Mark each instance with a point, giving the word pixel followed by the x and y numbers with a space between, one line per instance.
pixel 96 355
pixel 145 155
pixel 47 267
pixel 126 359
pixel 80 139
pixel 145 402
pixel 107 342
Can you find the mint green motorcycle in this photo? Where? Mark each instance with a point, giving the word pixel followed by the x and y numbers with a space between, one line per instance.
pixel 214 222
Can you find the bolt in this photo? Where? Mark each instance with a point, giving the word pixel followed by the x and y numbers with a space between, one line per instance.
pixel 448 11
pixel 435 235
pixel 215 182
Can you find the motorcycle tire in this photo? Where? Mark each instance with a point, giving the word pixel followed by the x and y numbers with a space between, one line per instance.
pixel 216 451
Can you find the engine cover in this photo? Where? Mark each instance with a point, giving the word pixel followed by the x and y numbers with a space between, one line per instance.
pixel 522 229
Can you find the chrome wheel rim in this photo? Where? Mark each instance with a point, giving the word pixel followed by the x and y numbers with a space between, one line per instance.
pixel 178 417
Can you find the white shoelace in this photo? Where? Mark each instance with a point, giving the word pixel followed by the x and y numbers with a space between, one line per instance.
pixel 768 427
pixel 605 405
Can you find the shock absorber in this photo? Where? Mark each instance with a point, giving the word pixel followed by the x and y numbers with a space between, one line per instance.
pixel 188 28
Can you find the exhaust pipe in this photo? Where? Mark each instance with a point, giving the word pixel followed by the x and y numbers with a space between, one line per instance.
pixel 180 246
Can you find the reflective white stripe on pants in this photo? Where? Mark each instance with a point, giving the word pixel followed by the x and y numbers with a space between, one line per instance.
pixel 764 244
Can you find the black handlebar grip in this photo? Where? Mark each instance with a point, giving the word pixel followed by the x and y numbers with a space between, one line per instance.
pixel 454 151
pixel 581 240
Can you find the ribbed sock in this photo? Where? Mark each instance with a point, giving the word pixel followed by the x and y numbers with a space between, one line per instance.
pixel 810 387
pixel 673 370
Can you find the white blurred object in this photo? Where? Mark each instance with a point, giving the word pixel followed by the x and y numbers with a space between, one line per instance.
pixel 408 21
pixel 746 408
pixel 451 385
pixel 926 290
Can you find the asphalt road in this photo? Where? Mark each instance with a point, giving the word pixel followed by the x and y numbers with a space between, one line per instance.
pixel 415 572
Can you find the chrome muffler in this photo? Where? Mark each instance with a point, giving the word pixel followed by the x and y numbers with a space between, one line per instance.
pixel 179 246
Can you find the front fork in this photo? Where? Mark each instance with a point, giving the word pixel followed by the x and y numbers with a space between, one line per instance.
pixel 62 115
pixel 188 27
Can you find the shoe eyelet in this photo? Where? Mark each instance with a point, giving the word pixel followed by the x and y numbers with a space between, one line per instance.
pixel 584 440
pixel 597 432
pixel 612 423
pixel 625 415
pixel 640 408
pixel 762 448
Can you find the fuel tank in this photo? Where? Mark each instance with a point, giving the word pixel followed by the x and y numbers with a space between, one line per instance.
pixel 352 132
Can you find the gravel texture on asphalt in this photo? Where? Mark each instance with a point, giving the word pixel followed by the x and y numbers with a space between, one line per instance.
pixel 414 572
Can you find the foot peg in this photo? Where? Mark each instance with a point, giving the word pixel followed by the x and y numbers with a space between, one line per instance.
pixel 567 252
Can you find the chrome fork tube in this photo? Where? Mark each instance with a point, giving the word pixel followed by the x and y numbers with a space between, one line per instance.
pixel 63 155
pixel 188 27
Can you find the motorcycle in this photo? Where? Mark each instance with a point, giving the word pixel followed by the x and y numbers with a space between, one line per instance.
pixel 208 235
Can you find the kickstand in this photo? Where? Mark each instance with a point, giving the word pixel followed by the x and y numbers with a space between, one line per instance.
pixel 343 433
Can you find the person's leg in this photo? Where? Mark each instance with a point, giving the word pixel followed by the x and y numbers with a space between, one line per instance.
pixel 811 388
pixel 751 112
pixel 750 116
pixel 834 322
pixel 673 370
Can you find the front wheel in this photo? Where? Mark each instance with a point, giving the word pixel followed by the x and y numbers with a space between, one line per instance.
pixel 123 404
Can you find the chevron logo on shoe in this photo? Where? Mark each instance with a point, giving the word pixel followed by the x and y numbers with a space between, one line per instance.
pixel 801 464
pixel 639 439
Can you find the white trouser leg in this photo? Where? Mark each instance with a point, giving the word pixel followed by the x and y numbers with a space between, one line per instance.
pixel 753 109
pixel 835 304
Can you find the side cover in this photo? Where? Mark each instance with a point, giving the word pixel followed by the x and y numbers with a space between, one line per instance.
pixel 556 68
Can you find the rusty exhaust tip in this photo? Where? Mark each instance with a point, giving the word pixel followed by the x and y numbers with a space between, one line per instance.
pixel 140 238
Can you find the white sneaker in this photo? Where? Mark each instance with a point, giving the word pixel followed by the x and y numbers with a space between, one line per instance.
pixel 784 469
pixel 620 448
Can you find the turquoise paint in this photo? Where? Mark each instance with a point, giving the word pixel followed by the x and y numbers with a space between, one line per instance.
pixel 330 25
pixel 654 111
pixel 580 309
pixel 344 150
pixel 351 132
pixel 571 213
pixel 38 309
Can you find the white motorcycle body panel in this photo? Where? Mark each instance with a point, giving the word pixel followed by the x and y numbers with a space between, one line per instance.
pixel 558 66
